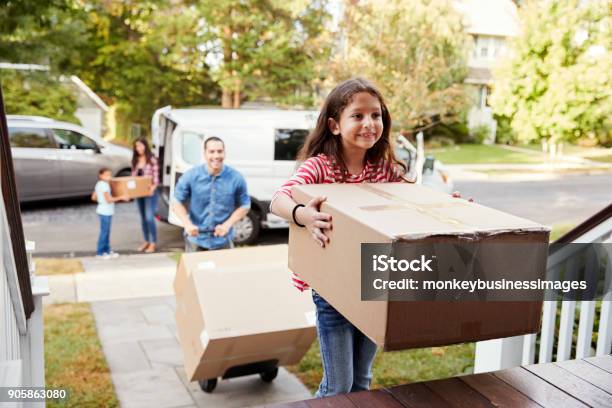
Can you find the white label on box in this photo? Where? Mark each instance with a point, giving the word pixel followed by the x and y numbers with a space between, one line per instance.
pixel 204 338
pixel 131 184
pixel 207 265
pixel 311 318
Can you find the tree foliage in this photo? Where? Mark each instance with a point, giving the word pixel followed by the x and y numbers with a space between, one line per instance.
pixel 415 51
pixel 262 49
pixel 556 83
pixel 37 93
pixel 144 54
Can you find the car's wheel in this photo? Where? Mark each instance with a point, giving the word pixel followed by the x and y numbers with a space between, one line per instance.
pixel 208 385
pixel 247 229
pixel 269 376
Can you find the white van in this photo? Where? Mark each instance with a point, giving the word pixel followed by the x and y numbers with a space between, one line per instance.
pixel 260 143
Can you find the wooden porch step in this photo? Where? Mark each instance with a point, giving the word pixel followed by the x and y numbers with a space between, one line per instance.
pixel 574 383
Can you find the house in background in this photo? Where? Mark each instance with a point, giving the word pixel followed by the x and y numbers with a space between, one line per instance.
pixel 91 110
pixel 491 23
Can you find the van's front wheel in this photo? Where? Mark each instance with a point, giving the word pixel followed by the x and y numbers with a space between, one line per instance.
pixel 246 231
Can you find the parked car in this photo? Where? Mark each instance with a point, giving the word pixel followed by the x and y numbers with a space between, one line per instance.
pixel 260 143
pixel 54 159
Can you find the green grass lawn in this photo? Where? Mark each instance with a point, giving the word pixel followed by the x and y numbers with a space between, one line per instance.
pixel 74 358
pixel 397 367
pixel 560 229
pixel 176 256
pixel 483 154
pixel 600 154
pixel 58 266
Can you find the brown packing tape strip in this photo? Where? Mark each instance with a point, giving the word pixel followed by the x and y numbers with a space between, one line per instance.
pixel 425 209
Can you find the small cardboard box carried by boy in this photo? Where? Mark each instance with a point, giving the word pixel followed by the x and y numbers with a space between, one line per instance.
pixel 394 214
pixel 237 307
pixel 132 186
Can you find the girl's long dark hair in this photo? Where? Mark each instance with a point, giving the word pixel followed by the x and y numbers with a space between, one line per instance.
pixel 322 140
pixel 148 152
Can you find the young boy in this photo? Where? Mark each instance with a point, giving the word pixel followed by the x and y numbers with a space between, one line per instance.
pixel 105 210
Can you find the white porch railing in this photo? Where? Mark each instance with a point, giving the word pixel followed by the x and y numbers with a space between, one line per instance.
pixel 21 339
pixel 509 352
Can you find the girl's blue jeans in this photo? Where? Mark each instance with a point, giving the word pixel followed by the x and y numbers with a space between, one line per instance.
pixel 347 353
pixel 104 237
pixel 147 207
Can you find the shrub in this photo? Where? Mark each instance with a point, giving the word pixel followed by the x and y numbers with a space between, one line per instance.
pixel 480 133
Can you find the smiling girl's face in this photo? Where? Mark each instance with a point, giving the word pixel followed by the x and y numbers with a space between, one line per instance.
pixel 140 148
pixel 360 125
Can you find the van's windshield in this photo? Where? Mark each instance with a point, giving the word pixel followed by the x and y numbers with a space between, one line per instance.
pixel 191 147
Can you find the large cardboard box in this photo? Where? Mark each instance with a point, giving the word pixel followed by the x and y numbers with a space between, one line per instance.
pixel 132 186
pixel 400 212
pixel 237 307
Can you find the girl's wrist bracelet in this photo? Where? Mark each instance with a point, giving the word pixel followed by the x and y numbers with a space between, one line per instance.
pixel 293 215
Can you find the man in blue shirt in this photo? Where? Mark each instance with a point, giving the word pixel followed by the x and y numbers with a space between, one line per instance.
pixel 217 198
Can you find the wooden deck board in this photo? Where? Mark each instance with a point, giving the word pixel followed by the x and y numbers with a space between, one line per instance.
pixel 498 392
pixel 458 394
pixel 574 383
pixel 375 398
pixel 537 389
pixel 418 396
pixel 339 401
pixel 589 372
pixel 603 362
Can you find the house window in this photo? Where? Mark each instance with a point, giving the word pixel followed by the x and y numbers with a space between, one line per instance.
pixel 484 49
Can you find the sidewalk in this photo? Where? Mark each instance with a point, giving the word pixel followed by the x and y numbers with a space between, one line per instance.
pixel 512 172
pixel 133 305
pixel 538 171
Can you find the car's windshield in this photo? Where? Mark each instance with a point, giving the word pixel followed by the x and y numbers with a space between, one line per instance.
pixel 191 147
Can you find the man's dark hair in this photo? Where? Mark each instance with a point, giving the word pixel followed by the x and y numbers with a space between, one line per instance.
pixel 103 170
pixel 213 139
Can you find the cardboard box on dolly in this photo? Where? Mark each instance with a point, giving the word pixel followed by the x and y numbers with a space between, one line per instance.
pixel 237 313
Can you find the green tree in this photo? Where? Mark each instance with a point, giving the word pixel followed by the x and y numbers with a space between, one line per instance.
pixel 127 58
pixel 415 51
pixel 37 93
pixel 141 55
pixel 555 85
pixel 262 49
pixel 119 48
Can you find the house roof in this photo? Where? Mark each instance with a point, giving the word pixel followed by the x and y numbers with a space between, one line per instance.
pixel 489 17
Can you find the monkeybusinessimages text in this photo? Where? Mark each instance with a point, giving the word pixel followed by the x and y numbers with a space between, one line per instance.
pixel 385 263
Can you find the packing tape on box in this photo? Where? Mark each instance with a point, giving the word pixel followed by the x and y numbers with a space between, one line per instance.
pixel 403 203
pixel 131 184
pixel 426 209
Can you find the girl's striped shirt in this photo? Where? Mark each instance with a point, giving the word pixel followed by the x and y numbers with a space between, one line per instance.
pixel 322 170
pixel 151 169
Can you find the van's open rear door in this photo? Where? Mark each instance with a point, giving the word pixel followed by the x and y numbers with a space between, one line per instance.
pixel 162 128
